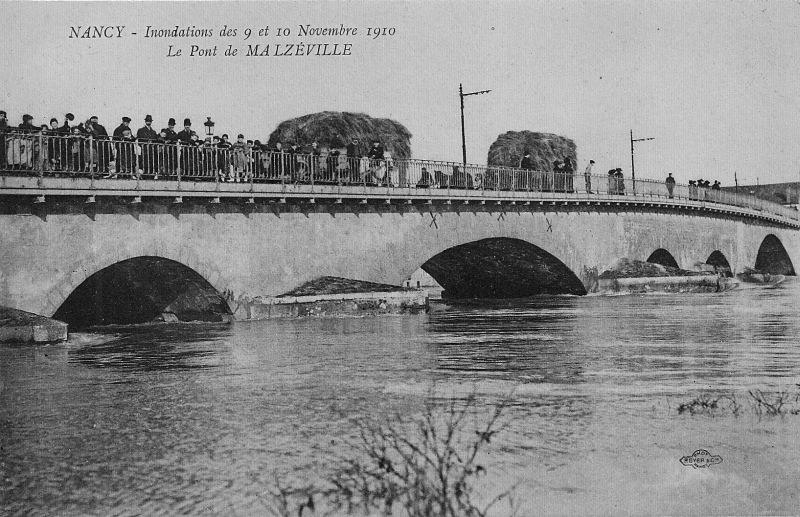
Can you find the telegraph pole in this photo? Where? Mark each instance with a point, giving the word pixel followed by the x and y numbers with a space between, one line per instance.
pixel 461 96
pixel 633 165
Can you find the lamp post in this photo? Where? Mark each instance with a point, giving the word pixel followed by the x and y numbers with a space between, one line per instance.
pixel 209 126
pixel 633 166
pixel 461 96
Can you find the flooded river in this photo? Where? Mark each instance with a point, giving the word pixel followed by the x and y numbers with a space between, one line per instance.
pixel 196 419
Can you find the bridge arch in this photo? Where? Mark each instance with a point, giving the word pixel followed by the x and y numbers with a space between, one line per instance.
pixel 772 257
pixel 501 267
pixel 720 263
pixel 92 259
pixel 140 289
pixel 663 257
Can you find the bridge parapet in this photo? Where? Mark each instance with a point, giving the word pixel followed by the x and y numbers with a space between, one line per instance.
pixel 39 165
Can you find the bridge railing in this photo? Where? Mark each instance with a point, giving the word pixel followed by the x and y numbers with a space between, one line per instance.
pixel 80 155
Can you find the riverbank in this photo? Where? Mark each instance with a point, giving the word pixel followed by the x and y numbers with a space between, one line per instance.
pixel 26 327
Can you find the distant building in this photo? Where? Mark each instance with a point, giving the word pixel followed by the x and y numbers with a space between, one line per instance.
pixel 786 194
pixel 422 280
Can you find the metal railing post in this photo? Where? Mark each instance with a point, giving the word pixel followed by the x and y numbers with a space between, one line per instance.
pixel 251 165
pixel 40 166
pixel 177 165
pixel 216 176
pixel 91 160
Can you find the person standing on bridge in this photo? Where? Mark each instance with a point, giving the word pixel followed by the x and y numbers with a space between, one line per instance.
pixel 123 150
pixel 569 174
pixel 126 154
pixel 186 144
pixel 102 146
pixel 620 181
pixel 66 129
pixel 126 124
pixel 376 153
pixel 170 148
pixel 526 163
pixel 332 164
pixel 353 160
pixel 54 158
pixel 670 183
pixel 612 181
pixel 240 160
pixel 147 138
pixel 587 176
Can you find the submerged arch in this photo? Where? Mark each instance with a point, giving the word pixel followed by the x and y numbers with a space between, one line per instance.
pixel 142 289
pixel 772 257
pixel 720 262
pixel 501 268
pixel 663 257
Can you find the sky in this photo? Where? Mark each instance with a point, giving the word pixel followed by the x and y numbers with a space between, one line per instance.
pixel 714 83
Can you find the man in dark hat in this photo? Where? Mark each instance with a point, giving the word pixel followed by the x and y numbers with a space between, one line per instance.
pixel 170 150
pixel 148 140
pixel 126 124
pixel 146 132
pixel 185 140
pixel 185 136
pixel 66 128
pixel 3 131
pixel 169 131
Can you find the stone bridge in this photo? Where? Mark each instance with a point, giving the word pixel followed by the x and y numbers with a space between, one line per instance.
pixel 90 250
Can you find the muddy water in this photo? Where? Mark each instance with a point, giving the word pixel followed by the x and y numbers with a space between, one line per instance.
pixel 200 419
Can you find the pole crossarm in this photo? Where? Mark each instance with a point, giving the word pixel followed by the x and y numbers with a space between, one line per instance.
pixel 475 93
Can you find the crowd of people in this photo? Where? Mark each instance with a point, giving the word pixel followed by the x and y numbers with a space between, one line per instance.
pixel 699 189
pixel 87 147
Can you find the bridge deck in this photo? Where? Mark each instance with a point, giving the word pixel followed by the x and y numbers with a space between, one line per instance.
pixel 42 166
pixel 39 189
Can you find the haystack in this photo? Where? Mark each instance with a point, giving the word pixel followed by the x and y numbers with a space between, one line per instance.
pixel 545 148
pixel 334 129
